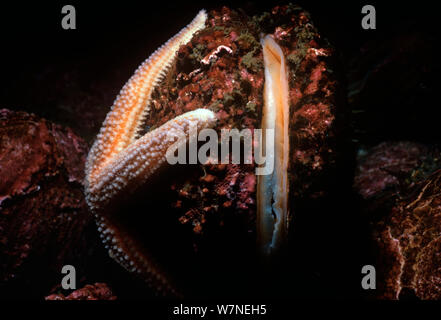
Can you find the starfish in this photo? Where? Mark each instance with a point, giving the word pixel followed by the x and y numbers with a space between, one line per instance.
pixel 121 160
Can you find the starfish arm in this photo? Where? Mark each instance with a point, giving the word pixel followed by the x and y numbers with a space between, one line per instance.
pixel 131 106
pixel 135 164
pixel 120 160
pixel 129 255
pixel 130 168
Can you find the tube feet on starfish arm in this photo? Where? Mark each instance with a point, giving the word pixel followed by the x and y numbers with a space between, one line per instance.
pixel 120 160
pixel 132 105
pixel 128 170
pixel 134 165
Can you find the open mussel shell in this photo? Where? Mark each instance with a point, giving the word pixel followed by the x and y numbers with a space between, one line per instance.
pixel 211 227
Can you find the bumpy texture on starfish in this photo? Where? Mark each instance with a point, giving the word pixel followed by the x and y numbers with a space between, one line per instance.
pixel 135 164
pixel 120 160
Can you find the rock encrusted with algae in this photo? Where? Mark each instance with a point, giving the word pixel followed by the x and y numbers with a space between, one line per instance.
pixel 389 166
pixel 400 185
pixel 43 214
pixel 410 246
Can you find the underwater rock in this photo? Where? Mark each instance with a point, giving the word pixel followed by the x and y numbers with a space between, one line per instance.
pixel 409 245
pixel 42 209
pixel 96 291
pixel 382 167
pixel 400 185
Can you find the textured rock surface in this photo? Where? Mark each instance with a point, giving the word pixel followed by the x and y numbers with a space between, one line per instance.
pixel 383 166
pixel 97 291
pixel 402 204
pixel 42 209
pixel 410 247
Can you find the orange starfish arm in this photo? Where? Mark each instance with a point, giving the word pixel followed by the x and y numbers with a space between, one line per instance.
pixel 136 163
pixel 120 160
pixel 131 106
